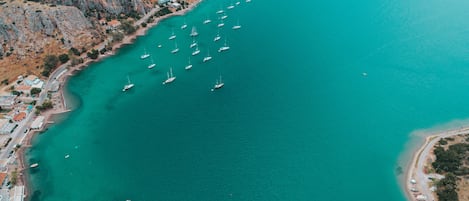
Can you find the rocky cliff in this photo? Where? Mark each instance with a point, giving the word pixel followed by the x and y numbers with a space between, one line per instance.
pixel 30 30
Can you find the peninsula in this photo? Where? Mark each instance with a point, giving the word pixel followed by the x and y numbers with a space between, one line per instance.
pixel 439 169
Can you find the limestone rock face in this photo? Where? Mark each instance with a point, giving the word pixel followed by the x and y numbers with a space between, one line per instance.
pixel 28 27
pixel 112 7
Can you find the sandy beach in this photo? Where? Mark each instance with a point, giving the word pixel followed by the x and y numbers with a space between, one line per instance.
pixel 60 105
pixel 415 176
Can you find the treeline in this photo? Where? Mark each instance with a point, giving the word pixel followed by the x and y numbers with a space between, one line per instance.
pixel 450 163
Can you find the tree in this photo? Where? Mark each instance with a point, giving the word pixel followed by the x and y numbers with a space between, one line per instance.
pixel 35 91
pixel 447 188
pixel 75 51
pixel 144 24
pixel 16 93
pixel 50 62
pixel 117 36
pixel 46 105
pixel 93 54
pixel 63 58
pixel 128 27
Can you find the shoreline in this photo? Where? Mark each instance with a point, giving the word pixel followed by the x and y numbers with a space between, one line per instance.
pixel 72 70
pixel 415 168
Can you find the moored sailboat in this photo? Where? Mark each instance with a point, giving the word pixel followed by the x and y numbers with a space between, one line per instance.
pixel 193 44
pixel 173 36
pixel 128 86
pixel 208 57
pixel 225 47
pixel 145 54
pixel 170 76
pixel 152 64
pixel 237 26
pixel 176 49
pixel 194 32
pixel 189 66
pixel 219 84
pixel 196 51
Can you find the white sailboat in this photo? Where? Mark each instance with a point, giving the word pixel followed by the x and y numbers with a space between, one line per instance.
pixel 189 66
pixel 237 26
pixel 145 54
pixel 217 37
pixel 152 64
pixel 173 36
pixel 176 49
pixel 221 24
pixel 247 1
pixel 170 78
pixel 208 57
pixel 206 21
pixel 220 11
pixel 128 86
pixel 223 17
pixel 237 3
pixel 225 47
pixel 196 51
pixel 194 32
pixel 193 44
pixel 184 26
pixel 230 7
pixel 219 84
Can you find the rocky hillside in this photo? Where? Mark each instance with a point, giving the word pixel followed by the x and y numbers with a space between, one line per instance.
pixel 30 30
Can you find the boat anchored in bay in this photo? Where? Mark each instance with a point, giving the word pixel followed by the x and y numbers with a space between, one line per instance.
pixel 196 51
pixel 208 57
pixel 237 26
pixel 225 47
pixel 152 64
pixel 176 49
pixel 170 78
pixel 189 66
pixel 128 86
pixel 145 54
pixel 218 84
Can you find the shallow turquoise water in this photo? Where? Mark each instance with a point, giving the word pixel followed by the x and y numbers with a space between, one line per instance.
pixel 295 121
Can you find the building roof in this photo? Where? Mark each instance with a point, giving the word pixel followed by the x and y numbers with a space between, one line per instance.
pixel 39 85
pixel 20 116
pixel 3 122
pixel 114 23
pixel 7 100
pixel 23 88
pixel 3 175
pixel 102 21
pixel 38 122
pixel 18 193
pixel 31 77
pixel 8 128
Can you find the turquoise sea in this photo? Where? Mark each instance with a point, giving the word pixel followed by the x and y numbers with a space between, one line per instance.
pixel 296 121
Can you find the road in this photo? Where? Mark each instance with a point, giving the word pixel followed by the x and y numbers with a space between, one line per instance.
pixel 420 176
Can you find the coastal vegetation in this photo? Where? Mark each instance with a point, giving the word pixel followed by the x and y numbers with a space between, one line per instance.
pixel 45 106
pixel 93 54
pixel 50 63
pixel 452 161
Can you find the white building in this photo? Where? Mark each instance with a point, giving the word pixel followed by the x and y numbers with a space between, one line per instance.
pixel 37 123
pixel 8 128
pixel 18 193
pixel 7 102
